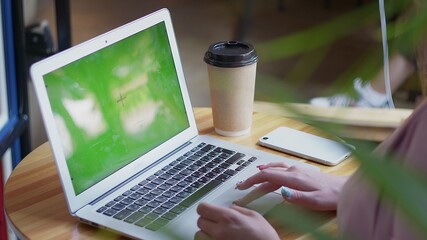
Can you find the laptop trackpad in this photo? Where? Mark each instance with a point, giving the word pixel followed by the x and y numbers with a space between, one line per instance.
pixel 261 205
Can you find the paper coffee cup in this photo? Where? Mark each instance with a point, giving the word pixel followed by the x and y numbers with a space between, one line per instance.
pixel 232 71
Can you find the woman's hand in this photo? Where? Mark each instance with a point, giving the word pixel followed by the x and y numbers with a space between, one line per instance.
pixel 309 188
pixel 216 222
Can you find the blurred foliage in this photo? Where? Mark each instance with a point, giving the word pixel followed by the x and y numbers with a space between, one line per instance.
pixel 308 48
pixel 404 187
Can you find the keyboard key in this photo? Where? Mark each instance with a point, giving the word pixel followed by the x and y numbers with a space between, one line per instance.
pixel 182 184
pixel 143 191
pixel 135 196
pixel 156 192
pixel 222 177
pixel 119 198
pixel 230 172
pixel 165 176
pixel 204 169
pixel 158 181
pixel 212 154
pixel 207 148
pixel 199 153
pixel 148 196
pixel 183 194
pixel 101 209
pixel 235 158
pixel 206 158
pixel 143 222
pixel 200 193
pixel 240 168
pixel 190 179
pixel 118 207
pixel 164 187
pixel 204 179
pixel 122 214
pixel 211 165
pixel 252 159
pixel 197 174
pixel 133 207
pixel 217 160
pixel 168 205
pixel 193 158
pixel 181 175
pixel 171 181
pixel 161 199
pixel 224 165
pixel 141 202
pixel 110 212
pixel 178 209
pixel 199 163
pixel 228 151
pixel 218 170
pixel 126 201
pixel 224 155
pixel 150 186
pixel 175 200
pixel 127 193
pixel 151 177
pixel 179 167
pixel 211 175
pixel 240 162
pixel 193 167
pixel 134 217
pixel 190 189
pixel 172 171
pixel 187 162
pixel 153 204
pixel 152 216
pixel 156 225
pixel 184 173
pixel 168 194
pixel 143 182
pixel 145 209
pixel 167 167
pixel 196 184
pixel 169 215
pixel 245 164
pixel 175 189
pixel 160 210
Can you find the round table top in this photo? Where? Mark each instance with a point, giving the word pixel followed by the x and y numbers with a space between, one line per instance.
pixel 35 204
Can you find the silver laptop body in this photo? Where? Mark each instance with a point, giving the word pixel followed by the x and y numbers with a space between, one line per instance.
pixel 121 127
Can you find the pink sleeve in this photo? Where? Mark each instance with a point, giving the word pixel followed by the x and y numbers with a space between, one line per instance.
pixel 363 213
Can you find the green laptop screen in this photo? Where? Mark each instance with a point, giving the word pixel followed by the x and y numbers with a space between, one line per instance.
pixel 116 104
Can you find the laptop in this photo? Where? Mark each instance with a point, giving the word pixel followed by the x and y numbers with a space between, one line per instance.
pixel 124 138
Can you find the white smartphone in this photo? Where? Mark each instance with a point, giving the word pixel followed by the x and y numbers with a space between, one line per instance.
pixel 306 145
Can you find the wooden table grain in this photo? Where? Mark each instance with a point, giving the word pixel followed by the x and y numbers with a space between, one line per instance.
pixel 35 204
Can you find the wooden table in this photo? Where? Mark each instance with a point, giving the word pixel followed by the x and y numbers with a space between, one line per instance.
pixel 35 204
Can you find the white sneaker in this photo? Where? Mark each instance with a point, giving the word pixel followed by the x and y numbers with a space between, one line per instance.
pixel 366 97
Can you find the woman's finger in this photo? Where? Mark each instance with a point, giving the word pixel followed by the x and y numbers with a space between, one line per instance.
pixel 207 226
pixel 273 164
pixel 272 175
pixel 212 212
pixel 243 210
pixel 256 193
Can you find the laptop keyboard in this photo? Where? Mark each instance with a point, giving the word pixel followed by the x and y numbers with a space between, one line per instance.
pixel 161 197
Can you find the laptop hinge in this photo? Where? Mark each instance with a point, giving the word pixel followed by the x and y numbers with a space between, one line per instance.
pixel 139 173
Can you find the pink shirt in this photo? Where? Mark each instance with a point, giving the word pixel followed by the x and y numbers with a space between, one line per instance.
pixel 363 213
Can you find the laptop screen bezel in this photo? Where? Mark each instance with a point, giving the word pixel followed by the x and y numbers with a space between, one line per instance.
pixel 38 70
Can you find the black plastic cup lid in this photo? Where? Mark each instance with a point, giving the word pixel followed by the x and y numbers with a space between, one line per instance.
pixel 230 54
